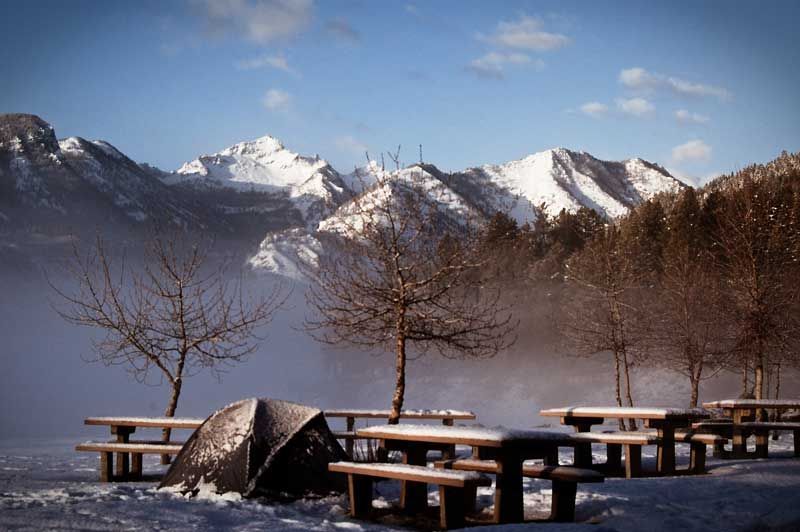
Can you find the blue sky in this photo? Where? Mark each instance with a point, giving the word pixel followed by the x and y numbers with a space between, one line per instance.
pixel 699 87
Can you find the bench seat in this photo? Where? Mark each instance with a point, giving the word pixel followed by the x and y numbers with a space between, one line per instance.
pixel 136 450
pixel 453 486
pixel 564 478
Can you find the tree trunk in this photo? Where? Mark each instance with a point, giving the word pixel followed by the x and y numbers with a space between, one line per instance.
pixel 759 385
pixel 745 370
pixel 617 389
pixel 400 382
pixel 695 392
pixel 166 434
pixel 628 393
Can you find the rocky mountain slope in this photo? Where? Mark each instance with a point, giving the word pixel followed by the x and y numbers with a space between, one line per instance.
pixel 261 191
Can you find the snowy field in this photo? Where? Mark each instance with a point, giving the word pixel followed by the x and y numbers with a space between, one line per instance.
pixel 45 485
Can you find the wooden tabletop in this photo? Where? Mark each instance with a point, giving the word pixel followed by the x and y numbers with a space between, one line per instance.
pixel 157 422
pixel 754 403
pixel 625 412
pixel 473 436
pixel 409 414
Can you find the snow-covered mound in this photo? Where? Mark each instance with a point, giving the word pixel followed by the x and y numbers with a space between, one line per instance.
pixel 563 179
pixel 265 165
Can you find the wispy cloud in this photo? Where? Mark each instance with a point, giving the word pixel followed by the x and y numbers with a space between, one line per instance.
pixel 493 64
pixel 692 151
pixel 640 79
pixel 526 33
pixel 594 109
pixel 278 62
pixel 277 100
pixel 341 29
pixel 412 9
pixel 262 22
pixel 351 145
pixel 685 117
pixel 638 107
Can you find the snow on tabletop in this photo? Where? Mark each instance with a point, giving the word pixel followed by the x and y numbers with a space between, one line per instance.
pixel 125 420
pixel 744 403
pixel 399 469
pixel 365 412
pixel 623 411
pixel 498 434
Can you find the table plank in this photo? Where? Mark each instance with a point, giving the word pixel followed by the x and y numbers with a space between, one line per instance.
pixel 154 422
pixel 409 414
pixel 473 436
pixel 625 412
pixel 754 403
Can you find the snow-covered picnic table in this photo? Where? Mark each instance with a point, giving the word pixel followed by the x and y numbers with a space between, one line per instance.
pixel 508 447
pixel 664 420
pixel 446 416
pixel 122 427
pixel 744 419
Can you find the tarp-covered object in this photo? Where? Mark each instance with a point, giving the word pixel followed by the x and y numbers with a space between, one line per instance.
pixel 259 447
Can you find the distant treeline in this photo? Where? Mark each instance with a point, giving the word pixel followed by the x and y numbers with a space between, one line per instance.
pixel 699 281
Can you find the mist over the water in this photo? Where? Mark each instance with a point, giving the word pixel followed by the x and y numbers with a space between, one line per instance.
pixel 47 389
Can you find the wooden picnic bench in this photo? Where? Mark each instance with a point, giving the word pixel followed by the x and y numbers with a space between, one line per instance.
pixel 565 480
pixel 508 447
pixel 447 417
pixel 127 465
pixel 664 420
pixel 743 420
pixel 453 486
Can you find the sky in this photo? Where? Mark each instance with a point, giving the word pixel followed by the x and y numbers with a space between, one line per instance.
pixel 699 87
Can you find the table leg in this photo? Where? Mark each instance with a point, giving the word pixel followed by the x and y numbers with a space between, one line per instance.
pixel 414 495
pixel 666 450
pixel 582 456
pixel 348 443
pixel 739 443
pixel 122 464
pixel 508 505
pixel 450 452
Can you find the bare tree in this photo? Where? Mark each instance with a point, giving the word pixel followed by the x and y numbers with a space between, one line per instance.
pixel 758 244
pixel 600 311
pixel 174 316
pixel 688 332
pixel 395 279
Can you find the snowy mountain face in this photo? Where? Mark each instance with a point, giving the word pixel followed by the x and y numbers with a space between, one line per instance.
pixel 267 170
pixel 73 183
pixel 260 191
pixel 563 179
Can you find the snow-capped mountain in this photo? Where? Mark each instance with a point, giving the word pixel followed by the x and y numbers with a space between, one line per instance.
pixel 562 179
pixel 74 183
pixel 260 191
pixel 265 166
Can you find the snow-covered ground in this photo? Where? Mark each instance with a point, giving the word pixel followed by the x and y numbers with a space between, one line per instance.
pixel 45 485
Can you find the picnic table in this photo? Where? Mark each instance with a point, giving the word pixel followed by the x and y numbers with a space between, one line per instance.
pixel 509 448
pixel 447 417
pixel 664 420
pixel 123 427
pixel 744 417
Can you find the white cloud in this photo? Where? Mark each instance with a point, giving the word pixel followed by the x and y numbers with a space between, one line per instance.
pixel 349 144
pixel 262 21
pixel 412 9
pixel 685 117
pixel 693 151
pixel 638 107
pixel 640 79
pixel 273 61
pixel 492 64
pixel 594 109
pixel 277 100
pixel 527 34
